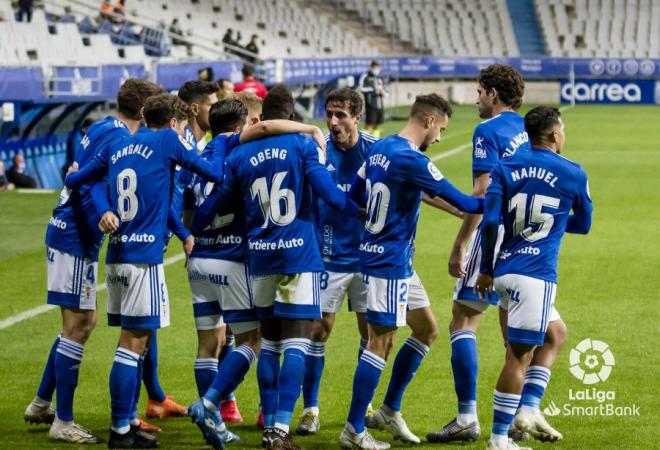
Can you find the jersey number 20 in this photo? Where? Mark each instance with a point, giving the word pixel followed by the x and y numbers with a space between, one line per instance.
pixel 277 205
pixel 378 202
pixel 524 226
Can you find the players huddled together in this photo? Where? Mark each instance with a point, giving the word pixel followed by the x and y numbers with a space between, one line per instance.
pixel 279 224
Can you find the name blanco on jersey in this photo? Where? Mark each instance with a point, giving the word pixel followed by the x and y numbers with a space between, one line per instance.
pixel 220 239
pixel 279 245
pixel 379 160
pixel 535 172
pixel 515 143
pixel 269 153
pixel 139 149
pixel 134 237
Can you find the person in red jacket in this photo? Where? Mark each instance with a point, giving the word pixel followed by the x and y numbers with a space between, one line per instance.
pixel 251 84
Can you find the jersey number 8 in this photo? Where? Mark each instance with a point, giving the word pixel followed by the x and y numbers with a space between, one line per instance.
pixel 127 204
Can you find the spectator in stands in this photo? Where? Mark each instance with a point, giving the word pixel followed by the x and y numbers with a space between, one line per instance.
pixel 16 174
pixel 251 84
pixel 228 38
pixel 119 11
pixel 175 29
pixel 252 46
pixel 25 7
pixel 239 38
pixel 106 11
pixel 372 87
pixel 5 185
pixel 225 89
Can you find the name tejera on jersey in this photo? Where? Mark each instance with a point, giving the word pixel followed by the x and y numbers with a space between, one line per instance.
pixel 281 244
pixel 379 160
pixel 535 172
pixel 265 155
pixel 133 149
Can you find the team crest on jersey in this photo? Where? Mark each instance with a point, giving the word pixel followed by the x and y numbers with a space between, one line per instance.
pixel 435 173
pixel 479 151
pixel 185 143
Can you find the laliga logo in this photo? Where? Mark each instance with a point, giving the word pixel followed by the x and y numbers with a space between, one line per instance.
pixel 614 92
pixel 591 361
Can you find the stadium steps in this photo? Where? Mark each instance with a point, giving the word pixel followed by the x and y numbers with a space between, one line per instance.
pixel 351 21
pixel 527 28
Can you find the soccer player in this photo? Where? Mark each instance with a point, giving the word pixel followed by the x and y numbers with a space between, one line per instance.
pixel 501 134
pixel 217 270
pixel 396 173
pixel 272 178
pixel 139 171
pixel 225 88
pixel 73 241
pixel 250 83
pixel 534 193
pixel 372 85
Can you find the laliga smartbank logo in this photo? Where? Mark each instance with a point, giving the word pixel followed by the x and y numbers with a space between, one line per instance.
pixel 591 362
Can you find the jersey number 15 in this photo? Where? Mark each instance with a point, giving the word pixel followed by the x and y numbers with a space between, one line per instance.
pixel 538 219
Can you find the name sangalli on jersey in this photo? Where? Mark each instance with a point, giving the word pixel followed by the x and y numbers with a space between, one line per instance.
pixel 534 172
pixel 133 149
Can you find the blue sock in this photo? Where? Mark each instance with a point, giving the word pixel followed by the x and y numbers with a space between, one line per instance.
pixel 314 362
pixel 205 371
pixel 365 383
pixel 268 371
pixel 123 381
pixel 407 362
pixel 150 371
pixel 465 365
pixel 504 410
pixel 290 380
pixel 67 367
pixel 47 384
pixel 138 387
pixel 536 381
pixel 224 352
pixel 230 373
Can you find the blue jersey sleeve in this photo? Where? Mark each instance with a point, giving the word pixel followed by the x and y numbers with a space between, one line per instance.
pixel 94 170
pixel 489 226
pixel 99 195
pixel 358 191
pixel 580 221
pixel 221 195
pixel 322 183
pixel 485 151
pixel 233 141
pixel 183 153
pixel 175 225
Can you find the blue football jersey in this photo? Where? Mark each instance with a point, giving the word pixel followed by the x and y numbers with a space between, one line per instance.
pixel 140 176
pixel 339 236
pixel 224 238
pixel 182 179
pixel 539 188
pixel 396 174
pixel 73 225
pixel 274 178
pixel 496 138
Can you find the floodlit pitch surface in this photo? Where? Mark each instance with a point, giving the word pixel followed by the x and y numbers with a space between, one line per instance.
pixel 609 290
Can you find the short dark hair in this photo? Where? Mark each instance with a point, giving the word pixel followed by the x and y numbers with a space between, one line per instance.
pixel 133 94
pixel 227 115
pixel 428 104
pixel 540 121
pixel 247 70
pixel 346 95
pixel 159 109
pixel 278 103
pixel 508 83
pixel 196 91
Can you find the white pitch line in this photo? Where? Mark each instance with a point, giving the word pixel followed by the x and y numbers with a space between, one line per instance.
pixel 451 152
pixel 30 313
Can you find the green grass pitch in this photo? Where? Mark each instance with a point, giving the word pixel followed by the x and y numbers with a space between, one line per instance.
pixel 608 290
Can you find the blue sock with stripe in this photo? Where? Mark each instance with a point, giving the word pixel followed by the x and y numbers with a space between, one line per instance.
pixel 536 381
pixel 150 370
pixel 67 368
pixel 224 352
pixel 465 366
pixel 47 384
pixel 407 362
pixel 290 380
pixel 231 373
pixel 504 410
pixel 365 382
pixel 268 371
pixel 314 363
pixel 123 382
pixel 206 370
pixel 134 420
